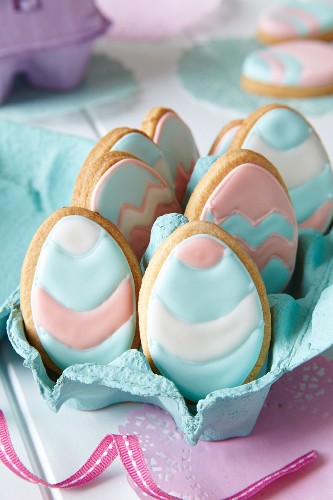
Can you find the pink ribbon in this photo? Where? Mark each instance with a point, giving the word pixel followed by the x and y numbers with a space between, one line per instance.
pixel 129 450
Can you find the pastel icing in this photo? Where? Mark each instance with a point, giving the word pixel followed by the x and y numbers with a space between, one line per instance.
pixel 195 318
pixel 297 18
pixel 162 228
pixel 146 150
pixel 202 166
pixel 251 204
pixel 223 144
pixel 176 141
pixel 83 294
pixel 132 195
pixel 305 63
pixel 290 143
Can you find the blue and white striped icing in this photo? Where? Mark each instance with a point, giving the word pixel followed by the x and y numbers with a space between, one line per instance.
pixel 290 143
pixel 204 319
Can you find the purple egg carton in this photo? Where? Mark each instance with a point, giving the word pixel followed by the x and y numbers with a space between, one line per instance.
pixel 49 41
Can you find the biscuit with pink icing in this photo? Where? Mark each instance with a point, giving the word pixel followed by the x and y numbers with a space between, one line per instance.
pixel 79 287
pixel 294 69
pixel 296 19
pixel 128 192
pixel 203 311
pixel 176 141
pixel 245 195
pixel 289 141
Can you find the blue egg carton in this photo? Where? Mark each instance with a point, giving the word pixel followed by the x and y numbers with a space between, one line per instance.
pixel 302 318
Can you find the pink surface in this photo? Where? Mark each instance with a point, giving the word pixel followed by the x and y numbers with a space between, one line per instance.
pixel 155 20
pixel 200 252
pixel 296 418
pixel 130 453
pixel 84 329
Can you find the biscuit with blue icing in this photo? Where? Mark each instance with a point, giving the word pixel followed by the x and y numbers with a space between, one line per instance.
pixel 175 139
pixel 225 137
pixel 128 192
pixel 296 19
pixel 244 194
pixel 292 145
pixel 296 69
pixel 132 141
pixel 79 286
pixel 203 311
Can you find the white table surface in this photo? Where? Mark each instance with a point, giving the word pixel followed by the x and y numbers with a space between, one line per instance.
pixel 49 443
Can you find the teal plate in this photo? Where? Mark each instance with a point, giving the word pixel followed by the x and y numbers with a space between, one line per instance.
pixel 302 320
pixel 211 71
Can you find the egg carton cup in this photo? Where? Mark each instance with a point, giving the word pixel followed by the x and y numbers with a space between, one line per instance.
pixel 37 40
pixel 302 325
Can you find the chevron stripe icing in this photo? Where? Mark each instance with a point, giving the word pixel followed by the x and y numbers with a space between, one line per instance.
pixel 139 236
pixel 67 326
pixel 262 219
pixel 257 232
pixel 182 179
pixel 131 215
pixel 158 200
pixel 262 195
pixel 274 247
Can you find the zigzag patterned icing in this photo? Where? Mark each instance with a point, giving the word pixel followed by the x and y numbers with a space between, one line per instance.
pixel 251 204
pixel 256 232
pixel 142 216
pixel 139 236
pixel 132 195
pixel 182 179
pixel 177 143
pixel 275 246
pixel 136 222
